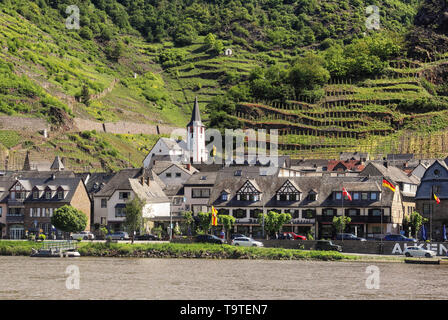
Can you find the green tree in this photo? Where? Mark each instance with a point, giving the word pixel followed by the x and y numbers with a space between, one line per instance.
pixel 228 222
pixel 85 95
pixel 188 218
pixel 416 221
pixel 308 73
pixel 273 221
pixel 210 40
pixel 205 221
pixel 134 216
pixel 69 219
pixel 340 223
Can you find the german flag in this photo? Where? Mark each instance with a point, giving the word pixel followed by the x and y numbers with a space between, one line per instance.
pixel 389 185
pixel 214 216
pixel 436 198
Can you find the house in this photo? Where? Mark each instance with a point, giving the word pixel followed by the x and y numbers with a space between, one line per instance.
pixel 406 184
pixel 110 201
pixel 360 156
pixel 197 190
pixel 173 174
pixel 34 196
pixel 311 201
pixel 169 148
pixel 5 185
pixel 434 181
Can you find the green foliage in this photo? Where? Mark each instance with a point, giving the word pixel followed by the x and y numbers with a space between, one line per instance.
pixel 273 221
pixel 172 57
pixel 227 221
pixel 204 221
pixel 415 222
pixel 340 223
pixel 308 73
pixel 69 219
pixel 134 216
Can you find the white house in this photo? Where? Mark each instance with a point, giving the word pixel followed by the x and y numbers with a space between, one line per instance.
pixel 110 202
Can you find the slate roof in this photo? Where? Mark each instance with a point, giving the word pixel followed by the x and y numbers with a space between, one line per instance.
pixel 196 115
pixel 152 193
pixel 57 164
pixel 391 172
pixel 96 181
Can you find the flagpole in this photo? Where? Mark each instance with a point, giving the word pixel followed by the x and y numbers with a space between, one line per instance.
pixel 382 210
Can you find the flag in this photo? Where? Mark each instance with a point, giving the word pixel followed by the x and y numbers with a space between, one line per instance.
pixel 214 151
pixel 436 198
pixel 389 185
pixel 423 233
pixel 346 194
pixel 214 216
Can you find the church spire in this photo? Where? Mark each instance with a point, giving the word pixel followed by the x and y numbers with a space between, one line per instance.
pixel 196 115
pixel 26 164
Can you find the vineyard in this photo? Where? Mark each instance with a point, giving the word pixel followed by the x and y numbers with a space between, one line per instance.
pixel 368 116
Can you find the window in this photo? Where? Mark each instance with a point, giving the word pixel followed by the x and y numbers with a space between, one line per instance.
pixel 373 196
pixel 1 211
pixel 119 212
pixel 224 196
pixel 48 195
pixel 356 196
pixel 308 214
pixel 60 195
pixel 103 221
pixel 20 195
pixel 240 213
pixel 352 212
pixel 103 203
pixel 436 173
pixel 364 196
pixel 312 197
pixel 177 201
pixel 124 195
pixel 15 212
pixel 36 195
pixel 329 212
pixel 200 193
pixel 237 173
pixel 375 212
pixel 338 195
pixel 178 175
pixel 168 174
pixel 283 197
pixel 254 213
pixel 427 208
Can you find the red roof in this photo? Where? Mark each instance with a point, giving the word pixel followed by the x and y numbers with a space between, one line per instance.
pixel 348 165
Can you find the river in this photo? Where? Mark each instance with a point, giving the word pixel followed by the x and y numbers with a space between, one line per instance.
pixel 167 279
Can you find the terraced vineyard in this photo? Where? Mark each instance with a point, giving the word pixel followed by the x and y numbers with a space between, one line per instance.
pixel 363 116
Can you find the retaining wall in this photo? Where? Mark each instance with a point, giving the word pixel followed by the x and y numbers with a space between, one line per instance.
pixel 23 124
pixel 122 127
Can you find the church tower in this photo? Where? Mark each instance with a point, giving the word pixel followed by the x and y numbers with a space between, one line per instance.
pixel 196 137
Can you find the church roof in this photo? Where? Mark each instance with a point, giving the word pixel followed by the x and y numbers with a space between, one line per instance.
pixel 57 164
pixel 196 115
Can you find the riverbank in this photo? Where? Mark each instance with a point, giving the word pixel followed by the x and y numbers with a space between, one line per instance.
pixel 176 250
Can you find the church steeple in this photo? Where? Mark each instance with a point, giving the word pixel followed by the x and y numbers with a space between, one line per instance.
pixel 197 152
pixel 196 115
pixel 26 164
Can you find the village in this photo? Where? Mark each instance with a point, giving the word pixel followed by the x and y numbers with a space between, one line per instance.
pixel 378 195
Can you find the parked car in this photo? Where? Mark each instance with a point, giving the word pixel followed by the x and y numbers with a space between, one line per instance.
pixel 398 237
pixel 327 245
pixel 246 242
pixel 416 251
pixel 147 237
pixel 120 235
pixel 208 238
pixel 83 235
pixel 237 235
pixel 348 236
pixel 294 236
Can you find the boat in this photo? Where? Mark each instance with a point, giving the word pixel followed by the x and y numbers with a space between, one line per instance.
pixel 56 249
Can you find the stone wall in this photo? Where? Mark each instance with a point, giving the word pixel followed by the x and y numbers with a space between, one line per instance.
pixel 23 124
pixel 122 127
pixel 352 246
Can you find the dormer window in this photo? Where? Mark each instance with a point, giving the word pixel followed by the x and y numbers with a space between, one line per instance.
pixel 249 192
pixel 60 195
pixel 238 173
pixel 288 192
pixel 48 195
pixel 338 195
pixel 312 196
pixel 36 195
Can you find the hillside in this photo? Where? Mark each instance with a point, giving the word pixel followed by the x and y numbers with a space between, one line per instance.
pixel 136 66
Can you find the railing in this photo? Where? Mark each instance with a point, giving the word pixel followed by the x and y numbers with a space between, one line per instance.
pixel 14 218
pixel 358 219
pixel 59 245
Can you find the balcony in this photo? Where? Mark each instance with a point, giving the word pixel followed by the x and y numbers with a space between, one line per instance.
pixel 14 219
pixel 358 219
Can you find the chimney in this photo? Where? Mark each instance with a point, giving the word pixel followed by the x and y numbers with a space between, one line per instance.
pixel 142 181
pixel 188 166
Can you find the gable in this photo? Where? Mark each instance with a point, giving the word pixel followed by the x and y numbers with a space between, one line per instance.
pixel 436 171
pixel 248 188
pixel 288 188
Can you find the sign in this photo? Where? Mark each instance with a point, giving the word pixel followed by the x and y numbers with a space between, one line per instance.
pixel 440 248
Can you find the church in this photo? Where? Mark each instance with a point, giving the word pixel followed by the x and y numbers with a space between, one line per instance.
pixel 192 151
